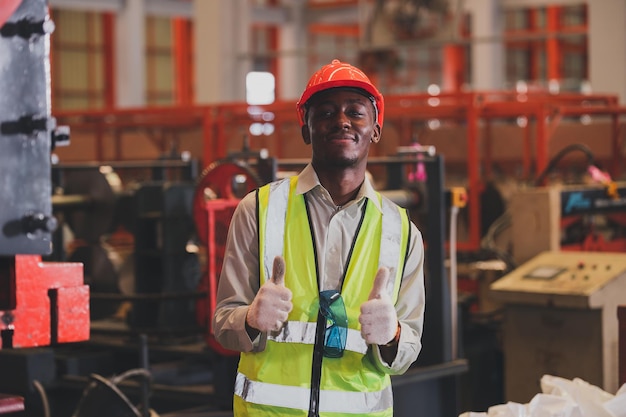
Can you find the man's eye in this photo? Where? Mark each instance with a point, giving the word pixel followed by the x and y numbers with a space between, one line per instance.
pixel 356 113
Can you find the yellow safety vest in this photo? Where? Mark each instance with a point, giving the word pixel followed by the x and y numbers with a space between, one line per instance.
pixel 277 381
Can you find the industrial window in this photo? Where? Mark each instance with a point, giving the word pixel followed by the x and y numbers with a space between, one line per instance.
pixel 545 45
pixel 78 60
pixel 159 61
pixel 83 57
pixel 169 61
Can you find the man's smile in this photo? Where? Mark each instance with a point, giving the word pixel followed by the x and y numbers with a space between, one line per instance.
pixel 341 138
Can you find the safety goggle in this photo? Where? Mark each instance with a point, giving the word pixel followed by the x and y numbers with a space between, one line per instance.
pixel 334 311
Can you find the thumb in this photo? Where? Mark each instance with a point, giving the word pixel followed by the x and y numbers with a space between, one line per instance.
pixel 380 283
pixel 278 271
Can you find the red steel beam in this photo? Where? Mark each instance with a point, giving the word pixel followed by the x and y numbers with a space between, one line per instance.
pixel 182 61
pixel 108 29
pixel 553 46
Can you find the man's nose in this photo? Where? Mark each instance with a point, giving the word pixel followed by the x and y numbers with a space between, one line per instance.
pixel 343 120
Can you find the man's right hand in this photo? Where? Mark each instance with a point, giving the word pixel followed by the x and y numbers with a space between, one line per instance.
pixel 272 304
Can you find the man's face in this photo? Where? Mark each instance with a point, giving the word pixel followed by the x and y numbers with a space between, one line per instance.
pixel 340 125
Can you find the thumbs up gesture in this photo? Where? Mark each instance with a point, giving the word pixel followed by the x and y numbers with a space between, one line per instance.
pixel 272 304
pixel 378 318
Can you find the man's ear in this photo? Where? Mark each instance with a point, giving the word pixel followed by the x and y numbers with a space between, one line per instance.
pixel 306 136
pixel 376 133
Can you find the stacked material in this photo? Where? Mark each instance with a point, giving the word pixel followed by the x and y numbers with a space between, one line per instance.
pixel 563 398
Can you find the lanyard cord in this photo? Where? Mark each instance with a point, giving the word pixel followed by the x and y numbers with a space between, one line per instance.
pixel 318 348
pixel 358 229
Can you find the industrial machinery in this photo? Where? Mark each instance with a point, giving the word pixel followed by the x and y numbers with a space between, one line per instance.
pixel 218 191
pixel 561 306
pixel 584 217
pixel 561 319
pixel 128 224
pixel 41 303
pixel 566 243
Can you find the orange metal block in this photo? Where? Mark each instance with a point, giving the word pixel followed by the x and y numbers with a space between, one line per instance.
pixel 72 313
pixel 52 304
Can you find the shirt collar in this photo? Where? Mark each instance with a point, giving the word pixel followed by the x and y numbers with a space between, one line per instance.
pixel 308 180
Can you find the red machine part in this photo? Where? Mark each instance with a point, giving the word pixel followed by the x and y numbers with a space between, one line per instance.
pixel 51 302
pixel 594 241
pixel 222 179
pixel 219 190
pixel 219 213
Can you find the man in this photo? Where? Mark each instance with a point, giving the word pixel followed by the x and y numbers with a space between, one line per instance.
pixel 322 286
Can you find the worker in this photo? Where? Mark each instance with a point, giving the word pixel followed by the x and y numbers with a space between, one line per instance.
pixel 322 285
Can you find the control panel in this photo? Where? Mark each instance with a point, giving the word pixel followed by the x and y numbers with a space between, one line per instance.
pixel 564 279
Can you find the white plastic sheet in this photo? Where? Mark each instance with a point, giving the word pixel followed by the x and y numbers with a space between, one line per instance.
pixel 562 397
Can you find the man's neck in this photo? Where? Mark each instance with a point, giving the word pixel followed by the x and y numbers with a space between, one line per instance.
pixel 342 185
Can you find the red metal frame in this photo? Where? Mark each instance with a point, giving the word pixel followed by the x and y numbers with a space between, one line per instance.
pixel 453 67
pixel 473 110
pixel 553 47
pixel 213 266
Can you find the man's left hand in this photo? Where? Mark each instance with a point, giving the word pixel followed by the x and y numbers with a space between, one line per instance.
pixel 379 322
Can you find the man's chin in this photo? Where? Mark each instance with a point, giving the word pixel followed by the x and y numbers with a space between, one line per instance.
pixel 339 162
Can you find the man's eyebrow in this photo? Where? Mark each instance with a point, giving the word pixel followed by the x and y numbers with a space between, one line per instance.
pixel 359 100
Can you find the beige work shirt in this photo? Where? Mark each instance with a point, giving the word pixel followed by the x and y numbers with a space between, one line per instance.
pixel 334 229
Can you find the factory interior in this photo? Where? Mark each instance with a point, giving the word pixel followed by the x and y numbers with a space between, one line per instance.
pixel 130 130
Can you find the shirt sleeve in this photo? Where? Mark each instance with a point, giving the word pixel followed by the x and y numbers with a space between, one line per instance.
pixel 410 310
pixel 239 280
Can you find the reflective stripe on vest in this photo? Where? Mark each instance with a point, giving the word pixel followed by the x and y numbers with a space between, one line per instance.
pixel 300 332
pixel 276 210
pixel 298 397
pixel 393 244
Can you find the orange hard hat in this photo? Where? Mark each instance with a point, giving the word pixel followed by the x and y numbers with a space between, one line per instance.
pixel 340 74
